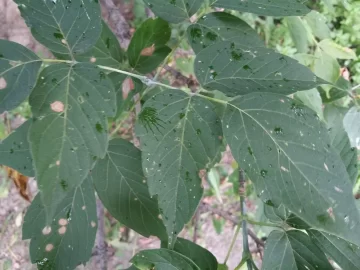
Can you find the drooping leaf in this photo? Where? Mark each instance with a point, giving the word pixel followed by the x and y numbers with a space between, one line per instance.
pixel 64 27
pixel 15 151
pixel 266 7
pixel 336 50
pixel 293 250
pixel 70 105
pixel 19 68
pixel 345 254
pixel 121 186
pixel 286 152
pixel 180 134
pixel 68 240
pixel 125 97
pixel 340 140
pixel 237 70
pixel 106 52
pixel 200 256
pixel 147 48
pixel 221 26
pixel 162 259
pixel 352 126
pixel 341 89
pixel 299 33
pixel 312 99
pixel 317 23
pixel 174 11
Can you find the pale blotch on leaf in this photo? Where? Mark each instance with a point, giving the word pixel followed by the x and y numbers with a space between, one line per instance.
pixel 160 217
pixel 93 224
pixel 57 106
pixel 84 207
pixel 338 189
pixel 326 167
pixel 3 83
pixel 331 213
pixel 49 247
pixel 63 41
pixel 93 59
pixel 46 230
pixel 63 222
pixel 148 51
pixel 284 169
pixel 58 162
pixel 62 230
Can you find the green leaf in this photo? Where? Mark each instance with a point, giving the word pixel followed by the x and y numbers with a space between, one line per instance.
pixel 213 178
pixel 106 52
pixel 70 105
pixel 121 186
pixel 221 26
pixel 162 259
pixel 134 86
pixel 200 256
pixel 68 240
pixel 336 50
pixel 276 215
pixel 266 7
pixel 341 89
pixel 286 152
pixel 174 11
pixel 299 33
pixel 292 250
pixel 15 151
pixel 64 27
pixel 147 48
pixel 345 254
pixel 352 126
pixel 237 70
pixel 317 23
pixel 312 99
pixel 180 134
pixel 326 67
pixel 340 140
pixel 19 68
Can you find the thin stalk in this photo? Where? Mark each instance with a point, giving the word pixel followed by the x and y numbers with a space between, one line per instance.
pixel 233 240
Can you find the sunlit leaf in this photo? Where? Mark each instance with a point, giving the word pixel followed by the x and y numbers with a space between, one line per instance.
pixel 237 70
pixel 174 11
pixel 293 250
pixel 317 23
pixel 266 7
pixel 70 105
pixel 63 26
pixel 336 50
pixel 180 134
pixel 19 68
pixel 15 151
pixel 148 48
pixel 121 186
pixel 221 26
pixel 162 259
pixel 299 33
pixel 352 126
pixel 68 240
pixel 286 152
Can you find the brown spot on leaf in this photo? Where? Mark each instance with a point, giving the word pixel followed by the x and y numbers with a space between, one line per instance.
pixel 20 182
pixel 63 222
pixel 127 86
pixel 148 51
pixel 62 230
pixel 49 247
pixel 3 83
pixel 46 230
pixel 57 106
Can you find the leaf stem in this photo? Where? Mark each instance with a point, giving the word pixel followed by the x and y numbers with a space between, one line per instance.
pixel 237 230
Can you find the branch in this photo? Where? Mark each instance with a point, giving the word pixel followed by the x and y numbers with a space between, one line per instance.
pixel 101 247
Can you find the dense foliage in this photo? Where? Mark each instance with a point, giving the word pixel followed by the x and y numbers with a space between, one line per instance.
pixel 266 105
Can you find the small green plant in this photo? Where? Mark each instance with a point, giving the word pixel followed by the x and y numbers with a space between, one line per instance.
pixel 303 170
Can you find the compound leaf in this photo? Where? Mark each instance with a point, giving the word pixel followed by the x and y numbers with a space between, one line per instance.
pixel 199 255
pixel 266 7
pixel 237 70
pixel 340 140
pixel 285 150
pixel 147 48
pixel 106 52
pixel 70 105
pixel 64 27
pixel 15 151
pixel 345 254
pixel 293 250
pixel 121 186
pixel 221 26
pixel 174 11
pixel 19 68
pixel 162 259
pixel 66 241
pixel 180 134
